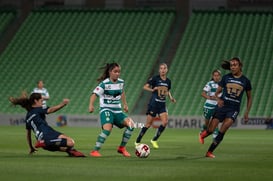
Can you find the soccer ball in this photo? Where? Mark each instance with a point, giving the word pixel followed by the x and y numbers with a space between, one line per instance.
pixel 142 150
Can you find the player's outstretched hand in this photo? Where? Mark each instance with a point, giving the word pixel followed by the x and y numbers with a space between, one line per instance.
pixel 66 101
pixel 32 151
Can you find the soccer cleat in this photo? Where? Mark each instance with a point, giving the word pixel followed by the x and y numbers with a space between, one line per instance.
pixel 40 144
pixel 75 153
pixel 201 139
pixel 155 145
pixel 210 154
pixel 136 144
pixel 95 153
pixel 122 150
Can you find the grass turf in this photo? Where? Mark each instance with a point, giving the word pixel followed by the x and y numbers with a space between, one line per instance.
pixel 243 155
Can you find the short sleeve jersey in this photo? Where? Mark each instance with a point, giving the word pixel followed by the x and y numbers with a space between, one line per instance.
pixel 233 89
pixel 110 94
pixel 210 88
pixel 36 121
pixel 159 96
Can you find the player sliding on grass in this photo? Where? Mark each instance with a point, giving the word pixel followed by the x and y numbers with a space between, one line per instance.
pixel 47 137
pixel 111 93
pixel 232 87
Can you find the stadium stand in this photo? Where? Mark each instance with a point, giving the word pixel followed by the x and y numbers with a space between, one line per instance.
pixel 212 36
pixel 6 17
pixel 66 48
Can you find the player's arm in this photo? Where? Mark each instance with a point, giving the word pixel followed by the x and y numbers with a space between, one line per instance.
pixel 124 102
pixel 58 107
pixel 171 97
pixel 220 102
pixel 92 100
pixel 248 104
pixel 147 87
pixel 205 95
pixel 29 141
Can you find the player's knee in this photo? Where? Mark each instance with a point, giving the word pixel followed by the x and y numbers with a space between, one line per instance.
pixel 130 124
pixel 70 142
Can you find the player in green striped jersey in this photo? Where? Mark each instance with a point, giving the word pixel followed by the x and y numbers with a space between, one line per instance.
pixel 111 93
pixel 209 94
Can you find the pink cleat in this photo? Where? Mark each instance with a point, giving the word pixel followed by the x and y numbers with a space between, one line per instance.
pixel 95 153
pixel 210 154
pixel 123 151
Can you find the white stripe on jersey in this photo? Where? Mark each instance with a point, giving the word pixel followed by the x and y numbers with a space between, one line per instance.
pixel 111 99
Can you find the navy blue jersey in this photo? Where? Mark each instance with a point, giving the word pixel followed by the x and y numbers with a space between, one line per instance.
pixel 233 89
pixel 159 96
pixel 36 121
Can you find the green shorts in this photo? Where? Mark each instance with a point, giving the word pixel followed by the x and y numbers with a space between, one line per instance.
pixel 208 113
pixel 116 119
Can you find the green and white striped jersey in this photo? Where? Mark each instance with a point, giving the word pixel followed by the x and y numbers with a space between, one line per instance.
pixel 43 92
pixel 110 95
pixel 210 88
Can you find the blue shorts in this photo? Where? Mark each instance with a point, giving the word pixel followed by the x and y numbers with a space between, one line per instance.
pixel 225 112
pixel 156 110
pixel 48 135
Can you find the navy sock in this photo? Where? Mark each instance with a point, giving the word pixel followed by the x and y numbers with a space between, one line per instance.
pixel 141 134
pixel 159 131
pixel 216 142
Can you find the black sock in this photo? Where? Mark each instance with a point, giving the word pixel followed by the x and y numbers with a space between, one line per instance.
pixel 217 141
pixel 141 134
pixel 159 131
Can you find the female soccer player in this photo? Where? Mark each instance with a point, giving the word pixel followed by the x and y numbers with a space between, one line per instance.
pixel 111 93
pixel 232 87
pixel 47 137
pixel 209 94
pixel 42 90
pixel 160 87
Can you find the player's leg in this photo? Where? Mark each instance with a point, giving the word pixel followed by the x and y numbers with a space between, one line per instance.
pixel 207 117
pixel 63 143
pixel 160 129
pixel 69 148
pixel 106 118
pixel 52 138
pixel 149 122
pixel 129 127
pixel 151 113
pixel 225 126
pixel 212 125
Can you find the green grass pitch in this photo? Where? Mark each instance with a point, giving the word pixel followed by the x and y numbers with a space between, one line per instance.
pixel 243 155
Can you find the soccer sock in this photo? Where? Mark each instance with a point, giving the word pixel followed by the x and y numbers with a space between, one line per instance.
pixel 141 134
pixel 159 131
pixel 216 142
pixel 101 139
pixel 126 136
pixel 204 127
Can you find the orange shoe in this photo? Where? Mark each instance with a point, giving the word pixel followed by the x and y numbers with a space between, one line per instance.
pixel 210 154
pixel 75 153
pixel 122 150
pixel 95 153
pixel 40 144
